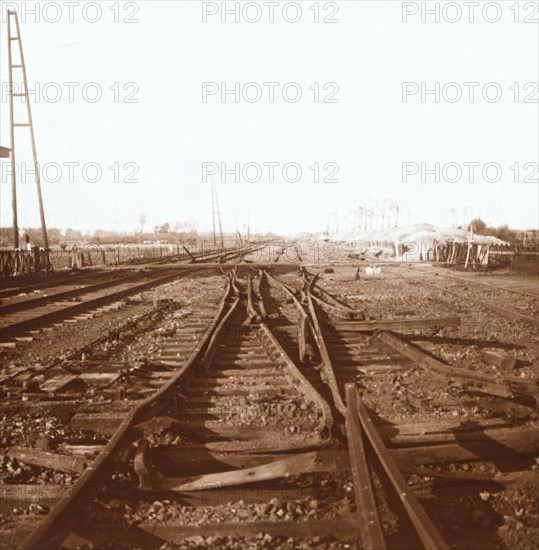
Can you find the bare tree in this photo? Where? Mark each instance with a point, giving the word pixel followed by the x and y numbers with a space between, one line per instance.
pixel 359 211
pixel 453 217
pixel 372 214
pixel 387 208
pixel 397 210
pixel 142 221
pixel 179 227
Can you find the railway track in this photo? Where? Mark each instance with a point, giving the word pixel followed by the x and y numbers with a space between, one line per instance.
pixel 490 286
pixel 243 373
pixel 21 317
pixel 369 346
pixel 249 426
pixel 22 288
pixel 357 351
pixel 81 301
pixel 25 286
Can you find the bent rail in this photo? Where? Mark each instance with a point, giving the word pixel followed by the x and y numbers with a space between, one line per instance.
pixel 56 526
pixel 426 531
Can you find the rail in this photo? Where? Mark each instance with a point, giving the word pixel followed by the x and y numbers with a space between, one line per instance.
pixel 365 441
pixel 56 526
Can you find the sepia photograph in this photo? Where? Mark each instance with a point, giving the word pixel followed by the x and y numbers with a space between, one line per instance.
pixel 269 275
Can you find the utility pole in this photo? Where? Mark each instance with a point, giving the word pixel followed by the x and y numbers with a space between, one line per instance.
pixel 216 215
pixel 29 124
pixel 12 130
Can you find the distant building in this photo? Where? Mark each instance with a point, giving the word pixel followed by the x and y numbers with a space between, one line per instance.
pixel 5 152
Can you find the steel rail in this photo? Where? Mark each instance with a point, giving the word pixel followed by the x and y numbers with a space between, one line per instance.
pixel 45 318
pixel 223 255
pixel 305 325
pixel 506 386
pixel 314 326
pixel 327 364
pixel 57 525
pixel 340 311
pixel 294 375
pixel 371 529
pixel 40 300
pixel 327 300
pixel 253 313
pixel 425 529
pixel 52 281
pixel 370 524
pixel 115 333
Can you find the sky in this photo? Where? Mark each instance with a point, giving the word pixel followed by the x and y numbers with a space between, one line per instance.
pixel 141 146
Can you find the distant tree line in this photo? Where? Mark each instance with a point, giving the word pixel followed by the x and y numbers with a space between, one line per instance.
pixel 504 232
pixel 175 233
pixel 161 232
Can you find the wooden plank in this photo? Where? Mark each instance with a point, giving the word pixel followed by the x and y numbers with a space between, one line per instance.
pixel 477 447
pixel 398 325
pixel 440 426
pixel 370 525
pixel 516 440
pixel 8 345
pixel 344 528
pixel 260 493
pixel 45 459
pixel 161 374
pixel 99 378
pixel 219 428
pixel 193 259
pixel 86 451
pixel 306 440
pixel 295 465
pixel 378 369
pixel 24 338
pixel 504 362
pixel 58 382
pixel 200 460
pixel 414 444
pixel 470 450
pixel 103 423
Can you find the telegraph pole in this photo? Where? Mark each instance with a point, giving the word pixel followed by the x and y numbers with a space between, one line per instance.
pixel 12 130
pixel 216 215
pixel 29 124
